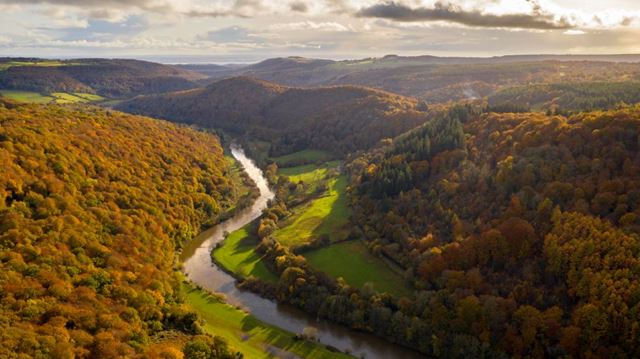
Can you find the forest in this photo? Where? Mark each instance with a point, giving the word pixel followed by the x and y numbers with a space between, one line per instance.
pixel 519 230
pixel 94 204
pixel 104 77
pixel 338 119
pixel 496 213
pixel 565 97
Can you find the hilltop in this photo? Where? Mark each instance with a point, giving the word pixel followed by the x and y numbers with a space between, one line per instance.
pixel 112 78
pixel 339 119
pixel 443 79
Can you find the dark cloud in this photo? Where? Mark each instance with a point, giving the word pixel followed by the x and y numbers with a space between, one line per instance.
pixel 299 6
pixel 448 12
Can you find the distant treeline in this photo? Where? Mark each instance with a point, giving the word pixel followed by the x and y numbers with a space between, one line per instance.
pixel 565 97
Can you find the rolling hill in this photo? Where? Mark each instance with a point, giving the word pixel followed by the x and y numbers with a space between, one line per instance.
pixel 521 229
pixel 442 79
pixel 109 78
pixel 339 119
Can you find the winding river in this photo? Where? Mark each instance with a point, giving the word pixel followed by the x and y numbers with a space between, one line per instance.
pixel 198 266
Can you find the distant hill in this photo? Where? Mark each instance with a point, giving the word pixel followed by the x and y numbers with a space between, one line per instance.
pixel 580 96
pixel 105 77
pixel 338 119
pixel 210 70
pixel 443 79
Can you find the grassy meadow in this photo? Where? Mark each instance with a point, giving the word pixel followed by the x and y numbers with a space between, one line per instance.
pixel 43 63
pixel 304 156
pixel 353 262
pixel 327 215
pixel 249 335
pixel 237 254
pixel 55 97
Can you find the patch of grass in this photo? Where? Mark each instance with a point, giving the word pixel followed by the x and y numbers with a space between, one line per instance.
pixel 26 96
pixel 76 97
pixel 311 175
pixel 352 261
pixel 237 254
pixel 43 63
pixel 327 216
pixel 247 334
pixel 300 157
pixel 55 97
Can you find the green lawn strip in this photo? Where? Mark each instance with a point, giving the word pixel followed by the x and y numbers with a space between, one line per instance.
pixel 89 96
pixel 237 254
pixel 44 63
pixel 352 261
pixel 57 97
pixel 26 96
pixel 327 215
pixel 64 97
pixel 247 334
pixel 300 157
pixel 311 174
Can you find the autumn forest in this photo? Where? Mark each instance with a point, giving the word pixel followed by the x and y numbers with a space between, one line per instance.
pixel 391 207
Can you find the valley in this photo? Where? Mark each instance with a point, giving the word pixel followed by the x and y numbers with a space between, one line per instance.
pixel 484 208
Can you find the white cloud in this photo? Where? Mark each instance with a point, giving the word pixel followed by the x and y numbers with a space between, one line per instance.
pixel 311 25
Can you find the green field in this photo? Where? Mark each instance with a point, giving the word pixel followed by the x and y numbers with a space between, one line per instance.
pixel 44 63
pixel 25 96
pixel 76 97
pixel 311 175
pixel 352 261
pixel 304 156
pixel 255 339
pixel 327 215
pixel 55 97
pixel 237 254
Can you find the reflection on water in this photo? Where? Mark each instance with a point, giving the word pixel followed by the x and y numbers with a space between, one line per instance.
pixel 200 269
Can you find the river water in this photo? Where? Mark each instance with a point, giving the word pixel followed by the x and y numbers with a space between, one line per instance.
pixel 200 269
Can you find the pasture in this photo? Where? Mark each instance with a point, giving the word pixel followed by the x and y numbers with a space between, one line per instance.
pixel 237 254
pixel 254 338
pixel 353 262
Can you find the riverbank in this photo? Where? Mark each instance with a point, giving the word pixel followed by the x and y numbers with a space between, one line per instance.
pixel 253 337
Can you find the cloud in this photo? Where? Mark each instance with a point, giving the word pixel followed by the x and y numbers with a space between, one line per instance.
pixel 574 32
pixel 104 8
pixel 227 34
pixel 473 18
pixel 311 25
pixel 299 6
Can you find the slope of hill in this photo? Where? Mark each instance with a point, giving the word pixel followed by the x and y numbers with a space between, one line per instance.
pixel 443 79
pixel 522 229
pixel 93 204
pixel 108 78
pixel 580 96
pixel 338 119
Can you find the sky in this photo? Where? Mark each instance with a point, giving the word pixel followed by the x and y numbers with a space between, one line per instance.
pixel 225 31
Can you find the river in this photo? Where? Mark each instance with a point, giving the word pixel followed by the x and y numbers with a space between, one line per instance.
pixel 200 269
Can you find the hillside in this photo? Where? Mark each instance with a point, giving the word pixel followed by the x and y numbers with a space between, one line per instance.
pixel 105 77
pixel 562 97
pixel 338 119
pixel 94 205
pixel 522 229
pixel 443 79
